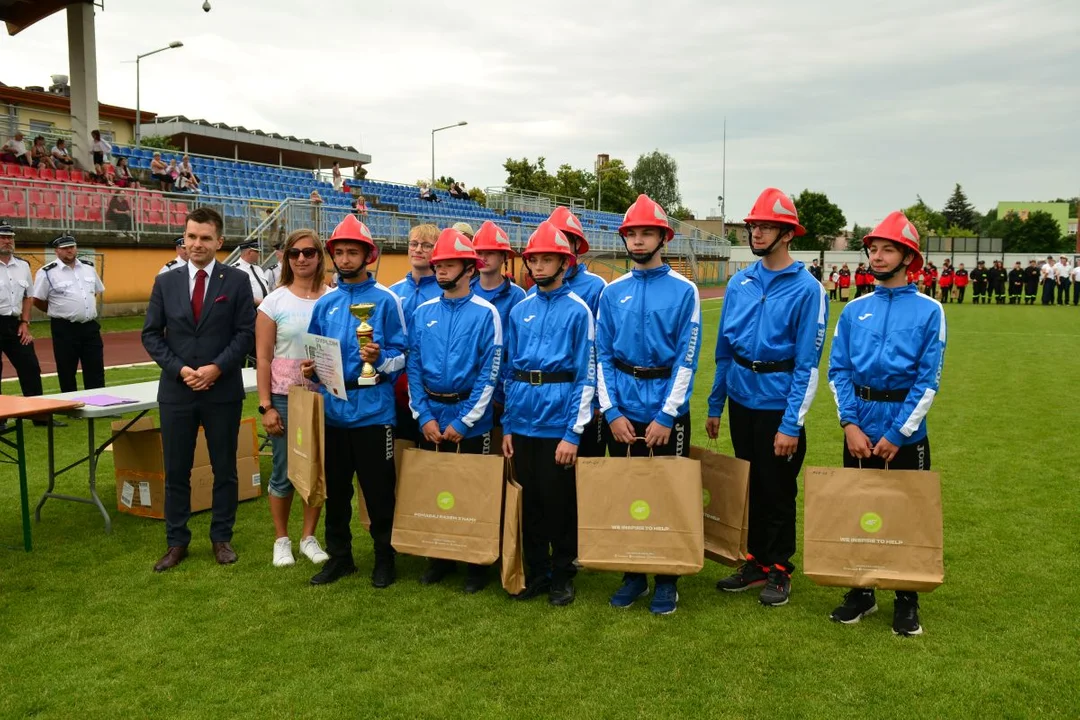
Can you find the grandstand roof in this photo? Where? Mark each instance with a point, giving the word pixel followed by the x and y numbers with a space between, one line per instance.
pixel 20 14
pixel 55 101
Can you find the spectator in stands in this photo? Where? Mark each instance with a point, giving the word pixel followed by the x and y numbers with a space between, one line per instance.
pixel 316 217
pixel 458 191
pixel 426 193
pixel 187 182
pixel 103 174
pixel 14 150
pixel 160 171
pixel 39 154
pixel 315 198
pixel 337 177
pixel 100 148
pixel 172 171
pixel 119 211
pixel 123 177
pixel 60 155
pixel 361 208
pixel 185 166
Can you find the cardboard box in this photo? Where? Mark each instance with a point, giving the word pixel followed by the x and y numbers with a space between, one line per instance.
pixel 140 469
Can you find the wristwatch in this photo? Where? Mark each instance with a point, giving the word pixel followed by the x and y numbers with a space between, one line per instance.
pixel 263 409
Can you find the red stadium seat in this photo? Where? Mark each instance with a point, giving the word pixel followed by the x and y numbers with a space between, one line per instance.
pixel 7 169
pixel 81 215
pixel 35 197
pixel 95 214
pixel 78 176
pixel 28 172
pixel 46 173
pixel 51 198
pixel 81 200
pixel 8 210
pixel 156 218
pixel 63 175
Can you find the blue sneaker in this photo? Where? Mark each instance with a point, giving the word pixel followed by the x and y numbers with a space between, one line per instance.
pixel 631 589
pixel 665 599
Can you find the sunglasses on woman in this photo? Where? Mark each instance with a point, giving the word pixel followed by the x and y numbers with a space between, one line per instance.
pixel 294 253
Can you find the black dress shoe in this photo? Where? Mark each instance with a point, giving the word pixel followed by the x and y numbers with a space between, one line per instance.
pixel 476 579
pixel 223 553
pixel 534 588
pixel 172 558
pixel 334 570
pixel 437 571
pixel 384 574
pixel 562 594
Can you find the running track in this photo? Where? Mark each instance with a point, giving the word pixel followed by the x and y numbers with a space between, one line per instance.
pixel 125 348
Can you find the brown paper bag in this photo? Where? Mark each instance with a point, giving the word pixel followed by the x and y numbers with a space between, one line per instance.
pixel 513 561
pixel 306 432
pixel 640 515
pixel 449 506
pixel 725 489
pixel 400 446
pixel 873 528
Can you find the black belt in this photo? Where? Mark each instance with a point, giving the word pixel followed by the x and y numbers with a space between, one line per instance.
pixel 447 398
pixel 539 377
pixel 867 393
pixel 642 373
pixel 765 366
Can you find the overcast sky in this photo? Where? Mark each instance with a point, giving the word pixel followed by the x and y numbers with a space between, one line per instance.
pixel 871 103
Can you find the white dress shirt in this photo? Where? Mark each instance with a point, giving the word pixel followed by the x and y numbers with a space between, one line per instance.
pixel 260 284
pixel 1076 274
pixel 1061 270
pixel 206 283
pixel 71 290
pixel 15 285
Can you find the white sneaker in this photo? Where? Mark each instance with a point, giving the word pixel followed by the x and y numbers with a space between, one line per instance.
pixel 283 556
pixel 310 547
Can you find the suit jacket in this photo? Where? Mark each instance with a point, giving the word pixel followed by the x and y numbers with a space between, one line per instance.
pixel 224 335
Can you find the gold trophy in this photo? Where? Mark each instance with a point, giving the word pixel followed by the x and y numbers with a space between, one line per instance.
pixel 364 335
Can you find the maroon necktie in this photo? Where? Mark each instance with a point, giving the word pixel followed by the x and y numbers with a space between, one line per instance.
pixel 197 295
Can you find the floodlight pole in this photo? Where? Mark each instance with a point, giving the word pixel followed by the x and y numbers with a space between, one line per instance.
pixel 138 87
pixel 446 127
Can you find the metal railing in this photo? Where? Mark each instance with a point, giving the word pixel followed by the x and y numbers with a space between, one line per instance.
pixel 508 199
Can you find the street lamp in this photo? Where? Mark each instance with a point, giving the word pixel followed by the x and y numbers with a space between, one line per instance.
pixel 138 108
pixel 447 127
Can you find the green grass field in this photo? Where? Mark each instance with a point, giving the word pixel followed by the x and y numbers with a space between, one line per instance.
pixel 87 630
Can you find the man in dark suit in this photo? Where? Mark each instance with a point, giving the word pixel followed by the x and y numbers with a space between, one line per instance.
pixel 199 326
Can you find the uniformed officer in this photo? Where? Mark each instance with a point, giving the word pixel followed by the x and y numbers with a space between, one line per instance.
pixel 273 273
pixel 67 290
pixel 980 280
pixel 960 281
pixel 1031 282
pixel 1016 284
pixel 179 261
pixel 998 275
pixel 1048 280
pixel 15 339
pixel 249 264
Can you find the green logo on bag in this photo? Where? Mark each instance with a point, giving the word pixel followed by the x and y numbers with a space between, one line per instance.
pixel 445 500
pixel 299 437
pixel 639 510
pixel 870 522
pixel 706 497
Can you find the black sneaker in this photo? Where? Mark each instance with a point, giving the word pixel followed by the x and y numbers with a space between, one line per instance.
pixel 534 588
pixel 476 579
pixel 905 617
pixel 562 594
pixel 384 574
pixel 777 589
pixel 858 603
pixel 749 575
pixel 334 570
pixel 437 570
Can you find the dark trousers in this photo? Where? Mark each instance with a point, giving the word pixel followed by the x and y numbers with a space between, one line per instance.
pixel 1031 291
pixel 75 343
pixel 21 356
pixel 1015 291
pixel 1063 292
pixel 999 292
pixel 367 453
pixel 910 457
pixel 946 293
pixel 548 508
pixel 593 441
pixel 179 430
pixel 1076 293
pixel 960 293
pixel 1048 292
pixel 479 445
pixel 405 428
pixel 978 292
pixel 774 483
pixel 678 444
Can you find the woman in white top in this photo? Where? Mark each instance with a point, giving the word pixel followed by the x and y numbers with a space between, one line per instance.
pixel 337 177
pixel 280 326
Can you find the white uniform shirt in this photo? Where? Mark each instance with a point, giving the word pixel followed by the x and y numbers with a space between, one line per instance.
pixel 260 284
pixel 1076 274
pixel 1061 270
pixel 175 264
pixel 15 285
pixel 71 291
pixel 1047 271
pixel 274 273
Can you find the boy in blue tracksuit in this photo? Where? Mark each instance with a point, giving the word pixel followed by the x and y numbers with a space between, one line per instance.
pixel 549 378
pixel 414 289
pixel 588 286
pixel 492 246
pixel 647 332
pixel 360 429
pixel 772 327
pixel 884 371
pixel 455 352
